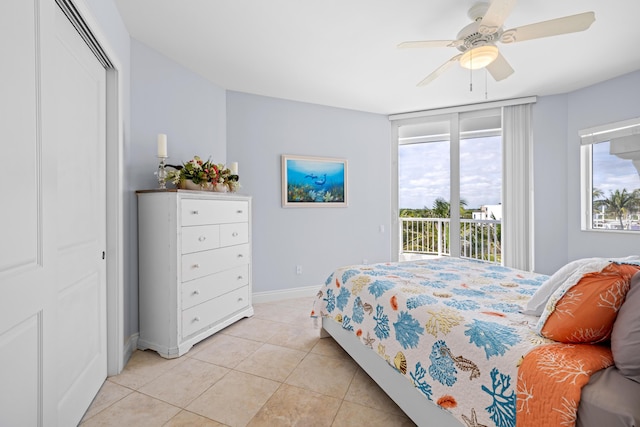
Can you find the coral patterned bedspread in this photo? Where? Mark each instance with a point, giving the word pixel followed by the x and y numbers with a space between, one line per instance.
pixel 451 326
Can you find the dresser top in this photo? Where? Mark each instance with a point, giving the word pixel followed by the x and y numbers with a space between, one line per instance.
pixel 194 193
pixel 181 191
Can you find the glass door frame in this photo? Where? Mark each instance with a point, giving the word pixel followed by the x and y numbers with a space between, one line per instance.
pixel 454 118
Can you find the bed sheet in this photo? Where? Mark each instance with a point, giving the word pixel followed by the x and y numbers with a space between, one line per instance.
pixel 600 407
pixel 451 326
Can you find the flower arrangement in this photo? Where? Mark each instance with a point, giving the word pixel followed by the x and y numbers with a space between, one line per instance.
pixel 206 174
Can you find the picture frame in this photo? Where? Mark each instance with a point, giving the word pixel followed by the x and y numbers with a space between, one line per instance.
pixel 314 181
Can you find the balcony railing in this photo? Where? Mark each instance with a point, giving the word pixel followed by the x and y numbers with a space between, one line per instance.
pixel 479 239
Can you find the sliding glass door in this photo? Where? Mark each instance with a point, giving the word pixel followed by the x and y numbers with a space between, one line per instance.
pixel 449 186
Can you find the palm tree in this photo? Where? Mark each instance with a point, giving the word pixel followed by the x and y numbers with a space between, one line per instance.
pixel 415 213
pixel 597 194
pixel 619 202
pixel 442 208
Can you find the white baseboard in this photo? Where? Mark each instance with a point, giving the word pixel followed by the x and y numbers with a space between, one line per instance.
pixel 129 347
pixel 270 296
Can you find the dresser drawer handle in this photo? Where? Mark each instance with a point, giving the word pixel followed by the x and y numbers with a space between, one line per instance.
pixel 196 265
pixel 196 292
pixel 239 211
pixel 195 212
pixel 234 234
pixel 240 299
pixel 240 277
pixel 202 238
pixel 240 256
pixel 196 319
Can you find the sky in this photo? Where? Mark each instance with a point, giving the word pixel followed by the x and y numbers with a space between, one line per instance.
pixel 612 173
pixel 424 172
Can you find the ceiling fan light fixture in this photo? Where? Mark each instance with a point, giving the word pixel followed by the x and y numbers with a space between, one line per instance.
pixel 479 57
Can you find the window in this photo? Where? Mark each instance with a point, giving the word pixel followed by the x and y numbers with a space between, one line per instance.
pixel 610 157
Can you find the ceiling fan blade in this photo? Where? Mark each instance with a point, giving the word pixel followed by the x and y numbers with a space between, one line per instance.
pixel 431 43
pixel 500 68
pixel 553 27
pixel 431 77
pixel 497 13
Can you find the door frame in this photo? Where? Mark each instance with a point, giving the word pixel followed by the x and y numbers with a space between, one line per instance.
pixel 117 355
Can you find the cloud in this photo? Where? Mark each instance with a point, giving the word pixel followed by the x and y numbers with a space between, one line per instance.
pixel 424 173
pixel 612 173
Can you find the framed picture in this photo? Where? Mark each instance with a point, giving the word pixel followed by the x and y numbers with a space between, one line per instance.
pixel 313 181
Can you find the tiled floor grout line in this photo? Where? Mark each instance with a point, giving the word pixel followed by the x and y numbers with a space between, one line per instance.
pixel 264 317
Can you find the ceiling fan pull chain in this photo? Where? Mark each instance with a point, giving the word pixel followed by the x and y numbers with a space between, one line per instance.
pixel 486 91
pixel 471 72
pixel 470 80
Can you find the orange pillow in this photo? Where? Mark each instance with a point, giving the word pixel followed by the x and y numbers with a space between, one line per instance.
pixel 586 311
pixel 627 270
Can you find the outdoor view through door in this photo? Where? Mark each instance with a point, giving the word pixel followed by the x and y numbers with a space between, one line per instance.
pixel 436 166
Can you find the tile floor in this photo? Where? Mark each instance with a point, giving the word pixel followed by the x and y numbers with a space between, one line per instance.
pixel 267 370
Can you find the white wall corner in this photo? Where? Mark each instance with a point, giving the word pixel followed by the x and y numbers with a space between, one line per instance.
pixel 130 346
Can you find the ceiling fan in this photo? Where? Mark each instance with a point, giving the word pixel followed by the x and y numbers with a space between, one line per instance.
pixel 477 41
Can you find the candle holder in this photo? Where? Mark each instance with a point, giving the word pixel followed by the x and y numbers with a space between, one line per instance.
pixel 234 183
pixel 161 173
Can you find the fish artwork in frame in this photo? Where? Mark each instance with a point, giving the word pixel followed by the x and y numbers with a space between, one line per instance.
pixel 313 181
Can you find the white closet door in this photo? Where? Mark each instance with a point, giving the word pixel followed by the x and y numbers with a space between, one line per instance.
pixel 52 218
pixel 76 83
pixel 27 222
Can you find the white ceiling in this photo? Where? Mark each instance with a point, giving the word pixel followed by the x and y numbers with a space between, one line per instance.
pixel 343 53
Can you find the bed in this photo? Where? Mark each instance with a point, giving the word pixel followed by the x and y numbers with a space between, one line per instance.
pixel 446 338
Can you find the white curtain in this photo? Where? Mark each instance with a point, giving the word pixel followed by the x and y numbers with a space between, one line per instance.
pixel 517 187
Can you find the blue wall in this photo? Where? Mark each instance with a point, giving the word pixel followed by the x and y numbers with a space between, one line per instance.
pixel 550 174
pixel 165 98
pixel 259 131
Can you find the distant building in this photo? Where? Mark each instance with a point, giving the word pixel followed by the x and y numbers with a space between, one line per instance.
pixel 489 212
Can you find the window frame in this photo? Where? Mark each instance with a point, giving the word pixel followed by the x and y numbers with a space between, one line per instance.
pixel 589 137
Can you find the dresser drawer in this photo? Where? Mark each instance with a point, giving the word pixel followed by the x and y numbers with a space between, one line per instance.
pixel 200 238
pixel 205 288
pixel 201 212
pixel 234 234
pixel 209 312
pixel 200 264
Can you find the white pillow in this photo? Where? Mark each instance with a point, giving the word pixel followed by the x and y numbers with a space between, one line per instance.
pixel 572 272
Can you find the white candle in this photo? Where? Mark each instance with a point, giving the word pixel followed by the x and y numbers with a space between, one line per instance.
pixel 234 168
pixel 162 145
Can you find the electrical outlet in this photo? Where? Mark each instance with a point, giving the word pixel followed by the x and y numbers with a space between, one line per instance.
pixel 298 269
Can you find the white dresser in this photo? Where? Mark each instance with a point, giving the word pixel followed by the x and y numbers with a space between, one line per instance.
pixel 194 261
